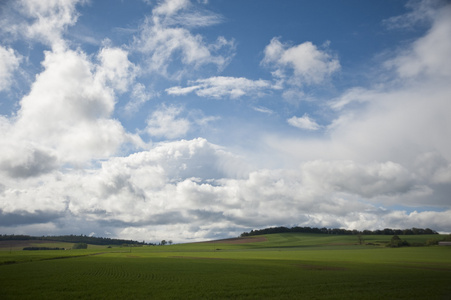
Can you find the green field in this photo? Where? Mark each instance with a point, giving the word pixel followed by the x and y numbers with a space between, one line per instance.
pixel 277 266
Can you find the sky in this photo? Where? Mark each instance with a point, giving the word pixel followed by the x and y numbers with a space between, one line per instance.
pixel 191 120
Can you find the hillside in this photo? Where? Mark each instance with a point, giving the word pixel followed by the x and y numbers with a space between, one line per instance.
pixel 71 239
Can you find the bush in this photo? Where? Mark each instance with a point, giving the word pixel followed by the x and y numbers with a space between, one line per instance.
pixel 397 242
pixel 80 246
pixel 431 242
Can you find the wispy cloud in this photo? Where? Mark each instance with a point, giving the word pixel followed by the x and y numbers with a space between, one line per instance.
pixel 139 96
pixel 221 86
pixel 304 122
pixel 421 11
pixel 9 62
pixel 163 41
pixel 427 56
pixel 262 109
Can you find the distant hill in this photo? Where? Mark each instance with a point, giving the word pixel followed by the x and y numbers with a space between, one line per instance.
pixel 386 231
pixel 72 239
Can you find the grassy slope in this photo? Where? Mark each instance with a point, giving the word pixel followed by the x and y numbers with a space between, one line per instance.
pixel 286 266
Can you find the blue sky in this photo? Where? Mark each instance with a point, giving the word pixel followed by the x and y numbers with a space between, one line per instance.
pixel 201 119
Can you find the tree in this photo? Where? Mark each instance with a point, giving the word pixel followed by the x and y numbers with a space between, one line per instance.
pixel 163 242
pixel 80 246
pixel 360 238
pixel 170 242
pixel 397 242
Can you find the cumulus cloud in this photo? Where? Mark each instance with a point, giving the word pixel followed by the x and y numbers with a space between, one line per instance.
pixel 66 116
pixel 69 109
pixel 220 87
pixel 43 21
pixel 164 123
pixel 163 42
pixel 189 190
pixel 299 65
pixel 9 62
pixel 304 122
pixel 21 159
pixel 166 185
pixel 115 69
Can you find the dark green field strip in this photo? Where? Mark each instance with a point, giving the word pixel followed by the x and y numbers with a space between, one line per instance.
pixel 33 256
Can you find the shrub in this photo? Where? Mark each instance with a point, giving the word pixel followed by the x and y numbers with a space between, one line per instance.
pixel 431 242
pixel 80 246
pixel 397 242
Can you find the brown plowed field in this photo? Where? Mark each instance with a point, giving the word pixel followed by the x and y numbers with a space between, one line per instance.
pixel 21 244
pixel 244 240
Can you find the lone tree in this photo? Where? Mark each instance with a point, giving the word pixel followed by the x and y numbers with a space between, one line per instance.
pixel 397 242
pixel 360 238
pixel 80 246
pixel 163 242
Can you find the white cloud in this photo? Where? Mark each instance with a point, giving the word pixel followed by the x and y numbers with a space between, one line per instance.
pixel 44 21
pixel 220 87
pixel 22 159
pixel 9 62
pixel 427 57
pixel 66 117
pixel 165 43
pixel 405 122
pixel 299 65
pixel 164 123
pixel 195 19
pixel 355 95
pixel 183 13
pixel 264 110
pixel 190 190
pixel 160 186
pixel 139 96
pixel 115 69
pixel 370 180
pixel 170 7
pixel 422 11
pixel 304 122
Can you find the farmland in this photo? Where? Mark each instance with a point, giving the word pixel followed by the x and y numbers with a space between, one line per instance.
pixel 282 266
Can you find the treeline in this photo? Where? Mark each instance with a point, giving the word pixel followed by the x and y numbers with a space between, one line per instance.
pixel 72 239
pixel 339 231
pixel 43 248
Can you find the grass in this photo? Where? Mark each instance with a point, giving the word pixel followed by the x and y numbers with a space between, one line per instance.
pixel 285 266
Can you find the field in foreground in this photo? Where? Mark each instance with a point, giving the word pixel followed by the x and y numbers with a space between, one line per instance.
pixel 277 266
